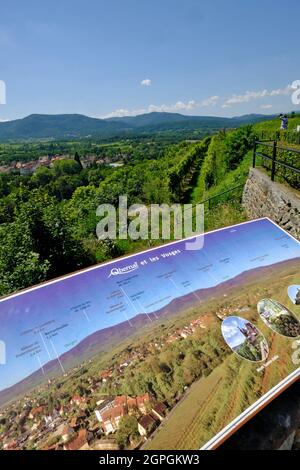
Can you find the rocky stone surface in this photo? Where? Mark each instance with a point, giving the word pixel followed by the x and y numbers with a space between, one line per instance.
pixel 264 198
pixel 276 427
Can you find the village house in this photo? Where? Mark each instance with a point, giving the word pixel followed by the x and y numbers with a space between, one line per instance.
pixel 77 400
pixel 36 413
pixel 77 421
pixel 159 411
pixel 146 424
pixel 88 161
pixel 103 405
pixel 171 339
pixel 143 402
pixel 105 375
pixel 129 405
pixel 120 400
pixel 132 405
pixel 27 169
pixel 44 160
pixel 80 442
pixel 111 418
pixel 67 433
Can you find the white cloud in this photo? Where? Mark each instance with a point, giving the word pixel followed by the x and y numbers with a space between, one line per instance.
pixel 123 112
pixel 255 95
pixel 163 108
pixel 146 82
pixel 248 96
pixel 178 106
pixel 212 101
pixel 288 90
pixel 2 92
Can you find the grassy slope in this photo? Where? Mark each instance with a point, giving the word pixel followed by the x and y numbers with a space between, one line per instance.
pixel 214 179
pixel 215 162
pixel 226 210
pixel 229 180
pixel 274 125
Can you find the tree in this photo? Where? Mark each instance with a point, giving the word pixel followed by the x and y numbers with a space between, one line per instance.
pixel 128 428
pixel 191 368
pixel 37 245
pixel 42 176
pixel 238 143
pixel 66 167
pixel 77 159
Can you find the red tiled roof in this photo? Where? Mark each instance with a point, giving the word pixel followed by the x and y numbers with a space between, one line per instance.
pixel 142 399
pixel 78 399
pixel 121 400
pixel 105 374
pixel 147 422
pixel 67 430
pixel 113 413
pixel 79 441
pixel 37 411
pixel 160 409
pixel 131 402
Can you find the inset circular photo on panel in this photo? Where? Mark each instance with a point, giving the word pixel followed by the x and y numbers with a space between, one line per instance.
pixel 279 318
pixel 245 339
pixel 294 294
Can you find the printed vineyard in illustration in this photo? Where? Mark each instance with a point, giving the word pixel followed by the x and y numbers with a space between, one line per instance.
pixel 114 358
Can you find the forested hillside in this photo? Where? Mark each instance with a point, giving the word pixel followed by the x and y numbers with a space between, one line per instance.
pixel 74 126
pixel 48 218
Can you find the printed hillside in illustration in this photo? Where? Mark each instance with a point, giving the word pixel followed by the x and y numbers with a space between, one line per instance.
pixel 147 346
pixel 216 376
pixel 102 340
pixel 236 383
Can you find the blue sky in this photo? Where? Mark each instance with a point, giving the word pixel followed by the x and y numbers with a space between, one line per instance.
pixel 91 56
pixel 231 331
pixel 293 291
pixel 28 320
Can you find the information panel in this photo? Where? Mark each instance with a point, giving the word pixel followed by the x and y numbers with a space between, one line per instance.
pixel 168 349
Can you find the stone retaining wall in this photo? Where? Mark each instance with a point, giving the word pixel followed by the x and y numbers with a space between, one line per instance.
pixel 264 198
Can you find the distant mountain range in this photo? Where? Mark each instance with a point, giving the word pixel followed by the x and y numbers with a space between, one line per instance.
pixel 77 126
pixel 102 340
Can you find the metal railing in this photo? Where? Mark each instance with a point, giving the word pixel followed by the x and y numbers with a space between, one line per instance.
pixel 216 200
pixel 218 197
pixel 273 159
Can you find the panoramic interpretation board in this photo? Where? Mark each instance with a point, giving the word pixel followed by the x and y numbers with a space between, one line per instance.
pixel 189 344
